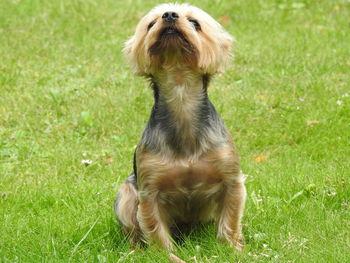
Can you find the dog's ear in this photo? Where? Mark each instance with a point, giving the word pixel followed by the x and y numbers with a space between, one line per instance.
pixel 136 56
pixel 226 42
pixel 129 53
pixel 215 51
pixel 128 47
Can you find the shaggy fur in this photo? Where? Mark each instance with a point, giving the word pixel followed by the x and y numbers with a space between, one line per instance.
pixel 186 169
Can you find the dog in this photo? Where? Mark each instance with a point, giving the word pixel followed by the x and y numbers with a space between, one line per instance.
pixel 186 169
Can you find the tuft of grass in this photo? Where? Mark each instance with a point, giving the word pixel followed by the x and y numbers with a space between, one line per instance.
pixel 71 114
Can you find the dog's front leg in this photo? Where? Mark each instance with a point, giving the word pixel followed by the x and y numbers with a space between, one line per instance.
pixel 230 214
pixel 153 221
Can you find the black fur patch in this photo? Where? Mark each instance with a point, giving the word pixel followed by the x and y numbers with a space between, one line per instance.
pixel 132 180
pixel 161 121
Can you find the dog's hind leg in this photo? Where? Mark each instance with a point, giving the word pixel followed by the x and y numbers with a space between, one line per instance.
pixel 125 209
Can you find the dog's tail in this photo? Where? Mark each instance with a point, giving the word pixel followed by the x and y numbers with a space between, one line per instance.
pixel 125 209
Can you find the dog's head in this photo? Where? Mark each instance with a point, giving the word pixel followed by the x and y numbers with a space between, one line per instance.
pixel 178 35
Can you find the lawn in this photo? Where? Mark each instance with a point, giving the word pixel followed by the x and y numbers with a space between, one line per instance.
pixel 71 114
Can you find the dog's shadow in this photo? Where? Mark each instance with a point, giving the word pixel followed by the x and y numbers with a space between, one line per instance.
pixel 182 231
pixel 181 234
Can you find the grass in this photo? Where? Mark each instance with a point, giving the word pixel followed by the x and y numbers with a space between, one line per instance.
pixel 66 95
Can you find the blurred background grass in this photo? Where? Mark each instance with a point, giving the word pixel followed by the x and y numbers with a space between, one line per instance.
pixel 67 95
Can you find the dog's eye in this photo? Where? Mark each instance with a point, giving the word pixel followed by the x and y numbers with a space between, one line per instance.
pixel 151 24
pixel 195 23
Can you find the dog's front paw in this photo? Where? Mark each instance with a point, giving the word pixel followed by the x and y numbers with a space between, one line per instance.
pixel 238 244
pixel 234 240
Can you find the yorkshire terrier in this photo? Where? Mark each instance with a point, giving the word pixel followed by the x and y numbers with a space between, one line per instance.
pixel 186 169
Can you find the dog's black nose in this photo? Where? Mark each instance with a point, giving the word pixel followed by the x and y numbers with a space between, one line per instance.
pixel 170 16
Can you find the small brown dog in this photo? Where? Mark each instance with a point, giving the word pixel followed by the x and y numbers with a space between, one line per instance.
pixel 186 169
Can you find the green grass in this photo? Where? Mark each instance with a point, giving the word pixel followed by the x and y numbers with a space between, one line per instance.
pixel 67 95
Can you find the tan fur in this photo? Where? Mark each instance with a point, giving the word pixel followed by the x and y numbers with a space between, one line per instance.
pixel 230 213
pixel 183 92
pixel 183 190
pixel 212 44
pixel 202 183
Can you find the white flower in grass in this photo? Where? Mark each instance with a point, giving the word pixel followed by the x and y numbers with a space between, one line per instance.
pixel 86 161
pixel 339 102
pixel 331 193
pixel 243 175
pixel 345 95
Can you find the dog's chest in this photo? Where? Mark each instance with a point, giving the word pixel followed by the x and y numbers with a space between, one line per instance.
pixel 190 192
pixel 189 176
pixel 189 189
pixel 201 175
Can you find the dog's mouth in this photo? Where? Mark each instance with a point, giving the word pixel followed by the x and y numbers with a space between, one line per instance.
pixel 170 31
pixel 170 39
